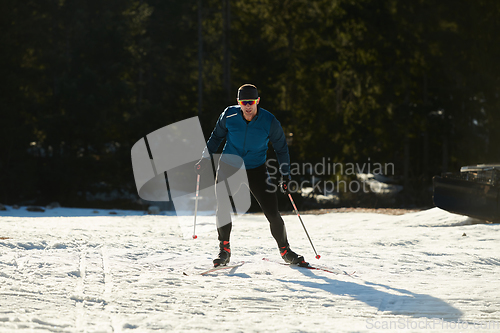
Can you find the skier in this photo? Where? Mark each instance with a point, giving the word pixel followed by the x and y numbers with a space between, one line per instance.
pixel 247 129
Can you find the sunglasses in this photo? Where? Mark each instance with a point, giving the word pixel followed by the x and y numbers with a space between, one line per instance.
pixel 247 101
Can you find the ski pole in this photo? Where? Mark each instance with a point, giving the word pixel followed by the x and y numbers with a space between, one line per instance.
pixel 297 212
pixel 196 204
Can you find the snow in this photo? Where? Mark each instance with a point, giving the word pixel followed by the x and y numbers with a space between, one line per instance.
pixel 379 184
pixel 77 270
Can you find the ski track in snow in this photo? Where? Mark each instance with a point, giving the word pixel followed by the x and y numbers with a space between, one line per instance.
pixel 124 273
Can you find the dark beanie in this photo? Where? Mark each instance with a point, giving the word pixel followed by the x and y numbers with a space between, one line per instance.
pixel 248 91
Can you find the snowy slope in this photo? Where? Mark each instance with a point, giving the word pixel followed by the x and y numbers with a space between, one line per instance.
pixel 79 271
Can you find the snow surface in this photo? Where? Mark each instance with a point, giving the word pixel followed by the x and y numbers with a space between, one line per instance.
pixel 75 270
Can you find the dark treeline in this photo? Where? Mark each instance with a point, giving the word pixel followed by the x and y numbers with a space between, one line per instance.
pixel 410 82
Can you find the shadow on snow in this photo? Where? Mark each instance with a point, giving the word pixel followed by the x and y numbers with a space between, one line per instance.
pixel 384 298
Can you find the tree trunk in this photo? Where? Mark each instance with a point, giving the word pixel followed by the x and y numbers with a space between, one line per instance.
pixel 226 12
pixel 200 60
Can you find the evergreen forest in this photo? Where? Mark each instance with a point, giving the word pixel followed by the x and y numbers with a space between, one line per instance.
pixel 414 83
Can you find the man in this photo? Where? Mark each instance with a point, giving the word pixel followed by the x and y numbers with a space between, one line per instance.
pixel 247 129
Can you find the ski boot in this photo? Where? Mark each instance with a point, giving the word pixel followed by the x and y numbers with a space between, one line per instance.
pixel 291 257
pixel 224 254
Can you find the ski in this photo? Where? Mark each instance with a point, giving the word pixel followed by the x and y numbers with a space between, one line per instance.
pixel 329 270
pixel 318 268
pixel 218 268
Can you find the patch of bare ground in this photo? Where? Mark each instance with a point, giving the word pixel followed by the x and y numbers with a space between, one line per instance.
pixel 386 211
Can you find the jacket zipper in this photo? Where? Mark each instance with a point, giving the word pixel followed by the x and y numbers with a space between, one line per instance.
pixel 245 139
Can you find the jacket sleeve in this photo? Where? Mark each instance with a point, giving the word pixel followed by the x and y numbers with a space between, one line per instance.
pixel 218 134
pixel 277 138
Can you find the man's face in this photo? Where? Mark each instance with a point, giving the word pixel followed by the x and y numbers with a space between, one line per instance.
pixel 249 111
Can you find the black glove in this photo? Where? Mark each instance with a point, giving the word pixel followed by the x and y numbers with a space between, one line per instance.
pixel 284 184
pixel 202 165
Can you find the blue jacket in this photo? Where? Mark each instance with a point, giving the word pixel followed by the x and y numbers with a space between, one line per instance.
pixel 249 140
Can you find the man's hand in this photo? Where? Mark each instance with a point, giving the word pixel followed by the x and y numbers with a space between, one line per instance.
pixel 284 184
pixel 202 165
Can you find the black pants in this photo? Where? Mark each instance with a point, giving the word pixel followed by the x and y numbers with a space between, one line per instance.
pixel 262 192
